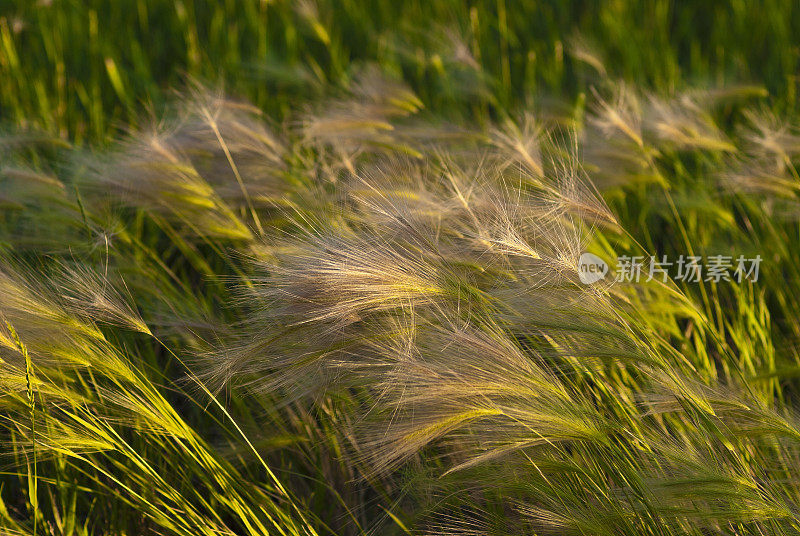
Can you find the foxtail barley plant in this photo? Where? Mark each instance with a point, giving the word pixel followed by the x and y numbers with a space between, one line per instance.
pixel 367 318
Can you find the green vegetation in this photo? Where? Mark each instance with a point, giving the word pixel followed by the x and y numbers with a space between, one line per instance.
pixel 312 268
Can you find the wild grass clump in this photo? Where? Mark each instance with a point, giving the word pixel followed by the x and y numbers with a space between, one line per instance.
pixel 369 321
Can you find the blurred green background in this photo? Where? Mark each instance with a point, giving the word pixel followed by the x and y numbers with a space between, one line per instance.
pixel 81 69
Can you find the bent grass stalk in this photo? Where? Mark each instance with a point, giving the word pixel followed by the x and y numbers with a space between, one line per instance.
pixel 33 477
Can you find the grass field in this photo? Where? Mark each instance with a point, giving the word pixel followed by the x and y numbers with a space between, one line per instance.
pixel 319 268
